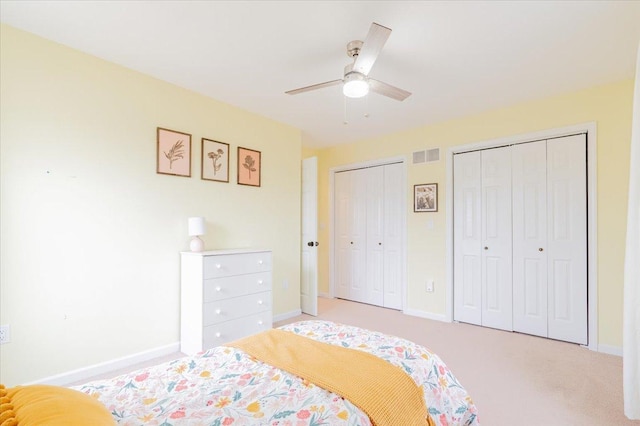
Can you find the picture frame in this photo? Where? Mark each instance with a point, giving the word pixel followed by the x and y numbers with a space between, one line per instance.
pixel 249 167
pixel 173 156
pixel 425 197
pixel 214 161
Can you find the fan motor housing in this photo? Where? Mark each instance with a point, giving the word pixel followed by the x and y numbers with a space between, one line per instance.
pixel 353 48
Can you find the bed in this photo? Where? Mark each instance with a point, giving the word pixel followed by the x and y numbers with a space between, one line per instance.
pixel 227 386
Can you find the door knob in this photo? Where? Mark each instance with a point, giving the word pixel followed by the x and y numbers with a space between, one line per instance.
pixel 540 249
pixel 486 248
pixel 310 243
pixel 379 244
pixel 351 242
pixel 317 244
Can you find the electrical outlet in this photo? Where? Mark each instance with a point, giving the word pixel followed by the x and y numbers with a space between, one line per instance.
pixel 429 286
pixel 5 334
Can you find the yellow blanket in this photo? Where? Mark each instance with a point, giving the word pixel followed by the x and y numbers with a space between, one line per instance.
pixel 380 389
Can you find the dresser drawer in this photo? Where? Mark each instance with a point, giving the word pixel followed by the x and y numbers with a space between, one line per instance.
pixel 239 285
pixel 228 309
pixel 236 264
pixel 218 334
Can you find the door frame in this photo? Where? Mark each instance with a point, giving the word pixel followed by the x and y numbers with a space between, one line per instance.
pixel 590 128
pixel 403 214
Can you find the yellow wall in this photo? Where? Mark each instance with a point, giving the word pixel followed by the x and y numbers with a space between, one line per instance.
pixel 610 106
pixel 91 234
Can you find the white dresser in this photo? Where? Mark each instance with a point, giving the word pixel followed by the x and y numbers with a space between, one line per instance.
pixel 225 295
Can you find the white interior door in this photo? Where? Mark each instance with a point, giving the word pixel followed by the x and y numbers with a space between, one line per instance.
pixel 374 181
pixel 529 179
pixel 467 191
pixel 496 261
pixel 393 257
pixel 309 266
pixel 567 238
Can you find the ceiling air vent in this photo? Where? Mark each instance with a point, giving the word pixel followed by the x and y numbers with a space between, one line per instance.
pixel 426 156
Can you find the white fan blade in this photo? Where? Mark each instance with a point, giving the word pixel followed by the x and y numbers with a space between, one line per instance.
pixel 388 90
pixel 314 87
pixel 371 48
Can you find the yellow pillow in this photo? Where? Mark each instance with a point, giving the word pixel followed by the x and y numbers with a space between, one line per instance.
pixel 51 406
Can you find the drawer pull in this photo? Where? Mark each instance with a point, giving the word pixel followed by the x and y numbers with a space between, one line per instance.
pixel 218 288
pixel 259 302
pixel 260 282
pixel 218 266
pixel 260 262
pixel 218 334
pixel 218 311
pixel 260 322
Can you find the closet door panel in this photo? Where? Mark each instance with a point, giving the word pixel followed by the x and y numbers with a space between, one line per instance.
pixel 342 189
pixel 358 242
pixel 374 190
pixel 567 238
pixel 496 239
pixel 529 176
pixel 392 241
pixel 467 237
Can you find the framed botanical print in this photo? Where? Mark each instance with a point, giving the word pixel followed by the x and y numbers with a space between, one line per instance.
pixel 173 156
pixel 215 160
pixel 249 167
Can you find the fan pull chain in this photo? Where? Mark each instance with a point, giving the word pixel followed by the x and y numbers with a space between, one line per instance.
pixel 366 113
pixel 344 121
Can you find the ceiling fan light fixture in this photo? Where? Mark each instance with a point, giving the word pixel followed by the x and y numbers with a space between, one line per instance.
pixel 355 85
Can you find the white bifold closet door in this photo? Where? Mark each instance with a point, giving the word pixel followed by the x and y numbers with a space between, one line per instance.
pixel 530 308
pixel 567 239
pixel 368 258
pixel 525 269
pixel 482 238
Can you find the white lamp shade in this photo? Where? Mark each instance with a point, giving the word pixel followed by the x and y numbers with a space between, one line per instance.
pixel 355 89
pixel 355 85
pixel 196 226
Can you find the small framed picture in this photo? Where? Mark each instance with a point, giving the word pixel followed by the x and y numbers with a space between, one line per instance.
pixel 425 197
pixel 249 167
pixel 174 153
pixel 215 160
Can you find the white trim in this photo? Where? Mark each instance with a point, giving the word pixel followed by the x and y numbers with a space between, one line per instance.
pixel 424 314
pixel 287 315
pixel 85 373
pixel 592 210
pixel 361 165
pixel 611 350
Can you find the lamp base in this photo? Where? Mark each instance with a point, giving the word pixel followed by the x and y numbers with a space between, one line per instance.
pixel 196 244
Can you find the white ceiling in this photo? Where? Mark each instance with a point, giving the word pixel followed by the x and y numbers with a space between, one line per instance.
pixel 457 58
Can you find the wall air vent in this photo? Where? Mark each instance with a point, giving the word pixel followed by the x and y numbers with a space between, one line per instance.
pixel 426 156
pixel 433 155
pixel 419 157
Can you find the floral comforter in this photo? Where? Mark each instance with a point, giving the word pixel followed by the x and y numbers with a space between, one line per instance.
pixel 224 386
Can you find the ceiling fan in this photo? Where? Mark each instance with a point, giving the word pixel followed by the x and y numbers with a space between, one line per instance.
pixel 356 81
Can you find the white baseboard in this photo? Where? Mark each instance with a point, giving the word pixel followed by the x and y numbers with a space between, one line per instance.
pixel 611 350
pixel 86 373
pixel 287 315
pixel 425 314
